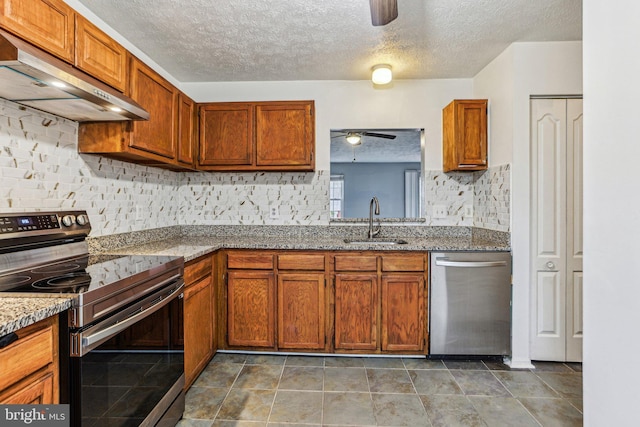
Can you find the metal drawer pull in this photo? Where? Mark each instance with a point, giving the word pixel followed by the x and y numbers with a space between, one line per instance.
pixel 442 262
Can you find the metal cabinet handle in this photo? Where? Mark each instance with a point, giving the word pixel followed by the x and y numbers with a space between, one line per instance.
pixel 443 262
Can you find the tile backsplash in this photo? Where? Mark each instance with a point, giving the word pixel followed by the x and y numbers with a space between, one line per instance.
pixel 40 169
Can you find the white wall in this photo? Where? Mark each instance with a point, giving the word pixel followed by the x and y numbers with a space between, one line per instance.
pixel 552 68
pixel 611 212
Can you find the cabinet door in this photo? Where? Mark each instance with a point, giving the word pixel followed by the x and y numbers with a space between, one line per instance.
pixel 159 98
pixel 226 134
pixel 33 391
pixel 251 309
pixel 198 328
pixel 465 135
pixel 99 55
pixel 48 24
pixel 356 311
pixel 403 307
pixel 301 311
pixel 284 134
pixel 186 129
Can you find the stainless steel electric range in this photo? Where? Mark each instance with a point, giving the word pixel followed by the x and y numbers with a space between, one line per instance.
pixel 121 342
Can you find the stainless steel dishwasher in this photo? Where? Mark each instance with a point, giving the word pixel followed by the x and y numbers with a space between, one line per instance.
pixel 470 303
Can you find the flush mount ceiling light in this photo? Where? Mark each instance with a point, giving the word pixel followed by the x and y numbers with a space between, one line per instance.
pixel 381 74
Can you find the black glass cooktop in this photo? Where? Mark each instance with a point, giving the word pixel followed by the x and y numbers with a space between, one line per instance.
pixel 82 274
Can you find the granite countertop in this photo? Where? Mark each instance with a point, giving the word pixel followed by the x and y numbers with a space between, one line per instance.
pixel 192 242
pixel 18 312
pixel 193 247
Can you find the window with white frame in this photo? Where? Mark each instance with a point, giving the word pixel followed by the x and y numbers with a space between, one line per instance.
pixel 336 196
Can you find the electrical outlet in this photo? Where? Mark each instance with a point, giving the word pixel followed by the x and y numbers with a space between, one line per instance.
pixel 439 211
pixel 139 213
pixel 468 211
pixel 274 211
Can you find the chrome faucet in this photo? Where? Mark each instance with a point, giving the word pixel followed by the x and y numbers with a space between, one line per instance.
pixel 372 233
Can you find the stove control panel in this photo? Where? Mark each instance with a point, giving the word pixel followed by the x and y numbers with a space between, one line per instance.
pixel 39 222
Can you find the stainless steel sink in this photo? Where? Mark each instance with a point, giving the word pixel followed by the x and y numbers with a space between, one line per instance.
pixel 375 241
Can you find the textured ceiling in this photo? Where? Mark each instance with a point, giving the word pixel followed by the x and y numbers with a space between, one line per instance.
pixel 261 40
pixel 405 148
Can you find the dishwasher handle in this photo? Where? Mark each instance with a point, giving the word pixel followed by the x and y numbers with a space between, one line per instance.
pixel 444 262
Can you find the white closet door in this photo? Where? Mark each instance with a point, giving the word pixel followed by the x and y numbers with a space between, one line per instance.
pixel 556 229
pixel 548 231
pixel 574 230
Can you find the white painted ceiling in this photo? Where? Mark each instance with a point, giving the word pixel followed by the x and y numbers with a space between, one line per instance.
pixel 262 40
pixel 404 148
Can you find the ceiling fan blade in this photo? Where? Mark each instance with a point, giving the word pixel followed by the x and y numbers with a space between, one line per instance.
pixel 383 11
pixel 379 135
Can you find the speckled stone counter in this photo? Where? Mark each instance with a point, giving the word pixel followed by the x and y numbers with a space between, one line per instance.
pixel 194 242
pixel 18 312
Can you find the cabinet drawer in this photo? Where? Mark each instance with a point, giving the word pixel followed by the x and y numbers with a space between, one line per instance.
pixel 403 263
pixel 250 261
pixel 355 263
pixel 25 356
pixel 197 269
pixel 301 262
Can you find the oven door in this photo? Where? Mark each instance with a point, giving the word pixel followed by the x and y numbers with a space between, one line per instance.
pixel 129 368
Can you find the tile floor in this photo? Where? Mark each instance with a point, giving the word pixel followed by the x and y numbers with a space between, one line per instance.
pixel 295 391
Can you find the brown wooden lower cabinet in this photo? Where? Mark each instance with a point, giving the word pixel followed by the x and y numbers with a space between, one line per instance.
pixel 356 312
pixel 280 300
pixel 251 309
pixel 301 311
pixel 403 312
pixel 29 365
pixel 199 317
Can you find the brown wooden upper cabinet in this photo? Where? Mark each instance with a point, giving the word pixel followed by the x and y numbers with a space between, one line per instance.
pixel 278 135
pixel 48 24
pixel 187 126
pixel 153 142
pixel 464 133
pixel 99 55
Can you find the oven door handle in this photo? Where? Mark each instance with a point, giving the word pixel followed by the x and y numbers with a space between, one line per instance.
pixel 81 344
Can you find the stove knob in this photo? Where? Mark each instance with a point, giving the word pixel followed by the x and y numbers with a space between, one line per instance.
pixel 68 220
pixel 82 220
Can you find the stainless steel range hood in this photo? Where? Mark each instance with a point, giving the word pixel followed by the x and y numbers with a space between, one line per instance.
pixel 36 79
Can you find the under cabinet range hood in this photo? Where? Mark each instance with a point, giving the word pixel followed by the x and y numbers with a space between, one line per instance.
pixel 33 78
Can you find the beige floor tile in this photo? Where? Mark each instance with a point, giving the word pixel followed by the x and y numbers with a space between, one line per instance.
pixel 389 381
pixel 301 378
pixel 399 410
pixel 567 385
pixel 218 375
pixel 304 361
pixel 204 402
pixel 345 379
pixel 265 359
pixel 344 362
pixel 264 377
pixel 553 412
pixel 348 409
pixel 423 363
pixel 297 407
pixel 479 383
pixel 451 411
pixel 524 384
pixel 383 363
pixel 502 411
pixel 250 405
pixel 434 382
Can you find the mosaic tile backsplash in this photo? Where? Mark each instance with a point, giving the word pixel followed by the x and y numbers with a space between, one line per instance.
pixel 40 169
